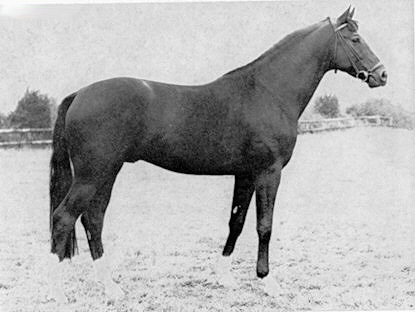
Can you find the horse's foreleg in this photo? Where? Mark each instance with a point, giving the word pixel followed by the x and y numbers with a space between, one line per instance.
pixel 242 194
pixel 243 190
pixel 266 186
pixel 93 221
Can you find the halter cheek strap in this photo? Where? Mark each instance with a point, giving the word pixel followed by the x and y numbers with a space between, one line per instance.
pixel 362 74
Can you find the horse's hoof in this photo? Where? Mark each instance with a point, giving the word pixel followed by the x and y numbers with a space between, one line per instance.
pixel 271 287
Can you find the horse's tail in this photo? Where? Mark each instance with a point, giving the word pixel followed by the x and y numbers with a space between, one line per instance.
pixel 60 170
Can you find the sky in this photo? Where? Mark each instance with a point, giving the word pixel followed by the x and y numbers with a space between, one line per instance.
pixel 61 48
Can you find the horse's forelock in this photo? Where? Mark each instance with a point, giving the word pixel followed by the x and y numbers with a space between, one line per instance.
pixel 352 25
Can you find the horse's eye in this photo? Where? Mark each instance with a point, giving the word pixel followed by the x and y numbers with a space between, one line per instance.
pixel 356 39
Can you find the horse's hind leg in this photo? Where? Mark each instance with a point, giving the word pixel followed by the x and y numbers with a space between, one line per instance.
pixel 64 218
pixel 242 194
pixel 93 221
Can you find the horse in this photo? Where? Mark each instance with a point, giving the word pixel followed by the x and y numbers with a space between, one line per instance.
pixel 243 124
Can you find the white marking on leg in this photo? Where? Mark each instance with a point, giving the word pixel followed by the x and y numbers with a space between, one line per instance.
pixel 103 275
pixel 271 287
pixel 224 264
pixel 223 272
pixel 235 209
pixel 88 235
pixel 55 280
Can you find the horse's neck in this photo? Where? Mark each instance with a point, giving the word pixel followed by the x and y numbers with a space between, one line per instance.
pixel 292 72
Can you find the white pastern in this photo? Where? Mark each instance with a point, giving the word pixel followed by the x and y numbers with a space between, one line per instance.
pixel 55 269
pixel 223 272
pixel 271 287
pixel 103 275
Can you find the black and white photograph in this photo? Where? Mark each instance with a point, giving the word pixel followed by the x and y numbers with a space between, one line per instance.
pixel 207 156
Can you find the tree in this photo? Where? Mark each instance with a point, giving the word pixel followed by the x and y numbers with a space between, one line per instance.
pixel 383 107
pixel 327 106
pixel 4 121
pixel 372 107
pixel 33 111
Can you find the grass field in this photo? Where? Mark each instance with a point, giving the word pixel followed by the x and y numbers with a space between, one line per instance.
pixel 343 235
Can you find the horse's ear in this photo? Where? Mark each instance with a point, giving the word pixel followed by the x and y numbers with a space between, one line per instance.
pixel 342 19
pixel 351 14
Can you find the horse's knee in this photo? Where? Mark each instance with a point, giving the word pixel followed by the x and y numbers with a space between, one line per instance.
pixel 264 233
pixel 235 227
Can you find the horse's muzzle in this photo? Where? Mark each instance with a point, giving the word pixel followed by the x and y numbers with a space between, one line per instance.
pixel 374 78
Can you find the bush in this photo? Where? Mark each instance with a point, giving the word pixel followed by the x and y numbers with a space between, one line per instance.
pixel 327 106
pixel 33 111
pixel 384 108
pixel 4 121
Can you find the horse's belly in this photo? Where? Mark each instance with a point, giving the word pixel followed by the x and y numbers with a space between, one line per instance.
pixel 193 168
pixel 201 160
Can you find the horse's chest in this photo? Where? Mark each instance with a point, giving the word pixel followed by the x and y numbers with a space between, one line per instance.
pixel 265 151
pixel 273 142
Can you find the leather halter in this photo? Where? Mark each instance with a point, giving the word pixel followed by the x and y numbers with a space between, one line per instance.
pixel 349 50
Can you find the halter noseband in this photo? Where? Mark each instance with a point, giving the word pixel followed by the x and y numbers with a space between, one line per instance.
pixel 361 74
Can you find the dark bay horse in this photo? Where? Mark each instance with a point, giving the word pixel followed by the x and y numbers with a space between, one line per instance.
pixel 242 124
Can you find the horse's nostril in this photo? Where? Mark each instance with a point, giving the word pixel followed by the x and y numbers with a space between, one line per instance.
pixel 384 75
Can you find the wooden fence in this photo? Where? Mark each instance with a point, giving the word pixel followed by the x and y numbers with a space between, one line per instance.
pixel 25 137
pixel 43 137
pixel 311 126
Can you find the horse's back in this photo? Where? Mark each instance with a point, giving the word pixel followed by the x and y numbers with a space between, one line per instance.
pixel 134 117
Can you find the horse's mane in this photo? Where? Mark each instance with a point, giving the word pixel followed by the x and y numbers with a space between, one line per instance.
pixel 279 47
pixel 285 43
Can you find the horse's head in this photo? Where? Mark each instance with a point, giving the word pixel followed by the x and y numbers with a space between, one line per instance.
pixel 353 55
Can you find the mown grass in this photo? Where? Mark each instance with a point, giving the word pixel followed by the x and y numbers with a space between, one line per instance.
pixel 342 240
